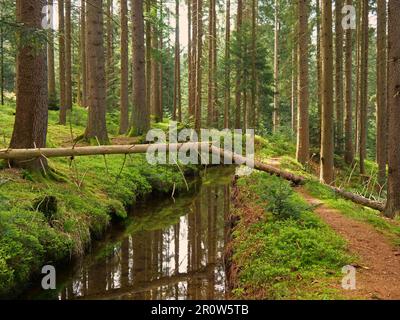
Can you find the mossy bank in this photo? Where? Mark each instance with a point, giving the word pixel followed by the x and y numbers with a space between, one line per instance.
pixel 48 219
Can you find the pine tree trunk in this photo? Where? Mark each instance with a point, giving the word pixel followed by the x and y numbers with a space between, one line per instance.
pixel 239 20
pixel 381 112
pixel 319 69
pixel 303 139
pixel 148 55
pixel 124 98
pixel 276 113
pixel 227 100
pixel 61 50
pixel 30 127
pixel 110 48
pixel 83 54
pixel 68 56
pixel 364 86
pixel 50 63
pixel 210 100
pixel 140 116
pixel 177 113
pixel 155 93
pixel 293 100
pixel 253 106
pixel 327 165
pixel 393 198
pixel 339 76
pixel 349 148
pixel 96 126
pixel 199 48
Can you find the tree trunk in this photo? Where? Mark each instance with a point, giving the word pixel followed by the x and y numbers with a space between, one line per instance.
pixel 239 20
pixel 303 135
pixel 30 127
pixel 319 69
pixel 110 48
pixel 124 99
pixel 199 49
pixel 1 65
pixel 364 85
pixel 381 103
pixel 276 112
pixel 293 101
pixel 393 198
pixel 96 126
pixel 61 50
pixel 211 71
pixel 155 93
pixel 327 165
pixel 252 122
pixel 148 54
pixel 83 54
pixel 140 115
pixel 160 111
pixel 349 148
pixel 50 63
pixel 177 113
pixel 227 100
pixel 68 56
pixel 192 30
pixel 339 76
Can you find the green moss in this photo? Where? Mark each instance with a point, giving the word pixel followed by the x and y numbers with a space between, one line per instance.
pixel 89 192
pixel 292 257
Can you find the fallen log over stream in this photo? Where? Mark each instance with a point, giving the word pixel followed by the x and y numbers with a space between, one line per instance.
pixel 22 154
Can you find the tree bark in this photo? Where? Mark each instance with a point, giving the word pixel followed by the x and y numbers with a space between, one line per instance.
pixel 211 71
pixel 96 126
pixel 238 94
pixel 199 48
pixel 124 98
pixel 62 66
pixel 83 54
pixel 339 76
pixel 30 127
pixel 110 48
pixel 148 54
pixel 327 165
pixel 303 131
pixel 227 100
pixel 50 66
pixel 276 112
pixel 381 112
pixel 393 199
pixel 364 85
pixel 68 56
pixel 140 116
pixel 349 148
pixel 177 113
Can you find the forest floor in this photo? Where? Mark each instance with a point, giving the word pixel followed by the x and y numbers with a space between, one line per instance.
pixel 378 271
pixel 372 243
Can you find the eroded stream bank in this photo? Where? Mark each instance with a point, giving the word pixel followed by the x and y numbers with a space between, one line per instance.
pixel 167 249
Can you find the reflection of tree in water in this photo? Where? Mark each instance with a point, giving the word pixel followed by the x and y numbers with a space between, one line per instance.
pixel 182 261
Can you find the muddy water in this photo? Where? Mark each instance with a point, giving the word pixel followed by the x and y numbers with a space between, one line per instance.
pixel 168 249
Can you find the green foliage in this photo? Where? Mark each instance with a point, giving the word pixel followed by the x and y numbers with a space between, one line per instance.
pixel 285 258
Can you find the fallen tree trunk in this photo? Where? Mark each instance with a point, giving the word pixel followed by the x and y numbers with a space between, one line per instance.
pixel 22 154
pixel 297 180
pixel 376 205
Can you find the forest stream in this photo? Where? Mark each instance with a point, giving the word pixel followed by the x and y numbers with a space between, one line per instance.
pixel 167 249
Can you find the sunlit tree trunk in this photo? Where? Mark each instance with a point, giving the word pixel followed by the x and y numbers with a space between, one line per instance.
pixel 303 139
pixel 239 20
pixel 327 145
pixel 199 48
pixel 30 127
pixel 96 127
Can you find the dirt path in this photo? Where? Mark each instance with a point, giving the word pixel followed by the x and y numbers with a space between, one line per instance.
pixel 378 277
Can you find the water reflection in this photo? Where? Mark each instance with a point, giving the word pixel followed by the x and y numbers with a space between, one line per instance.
pixel 173 250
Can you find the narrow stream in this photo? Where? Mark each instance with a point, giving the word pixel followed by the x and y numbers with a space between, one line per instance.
pixel 167 249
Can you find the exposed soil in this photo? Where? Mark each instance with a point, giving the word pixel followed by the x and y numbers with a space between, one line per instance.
pixel 378 275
